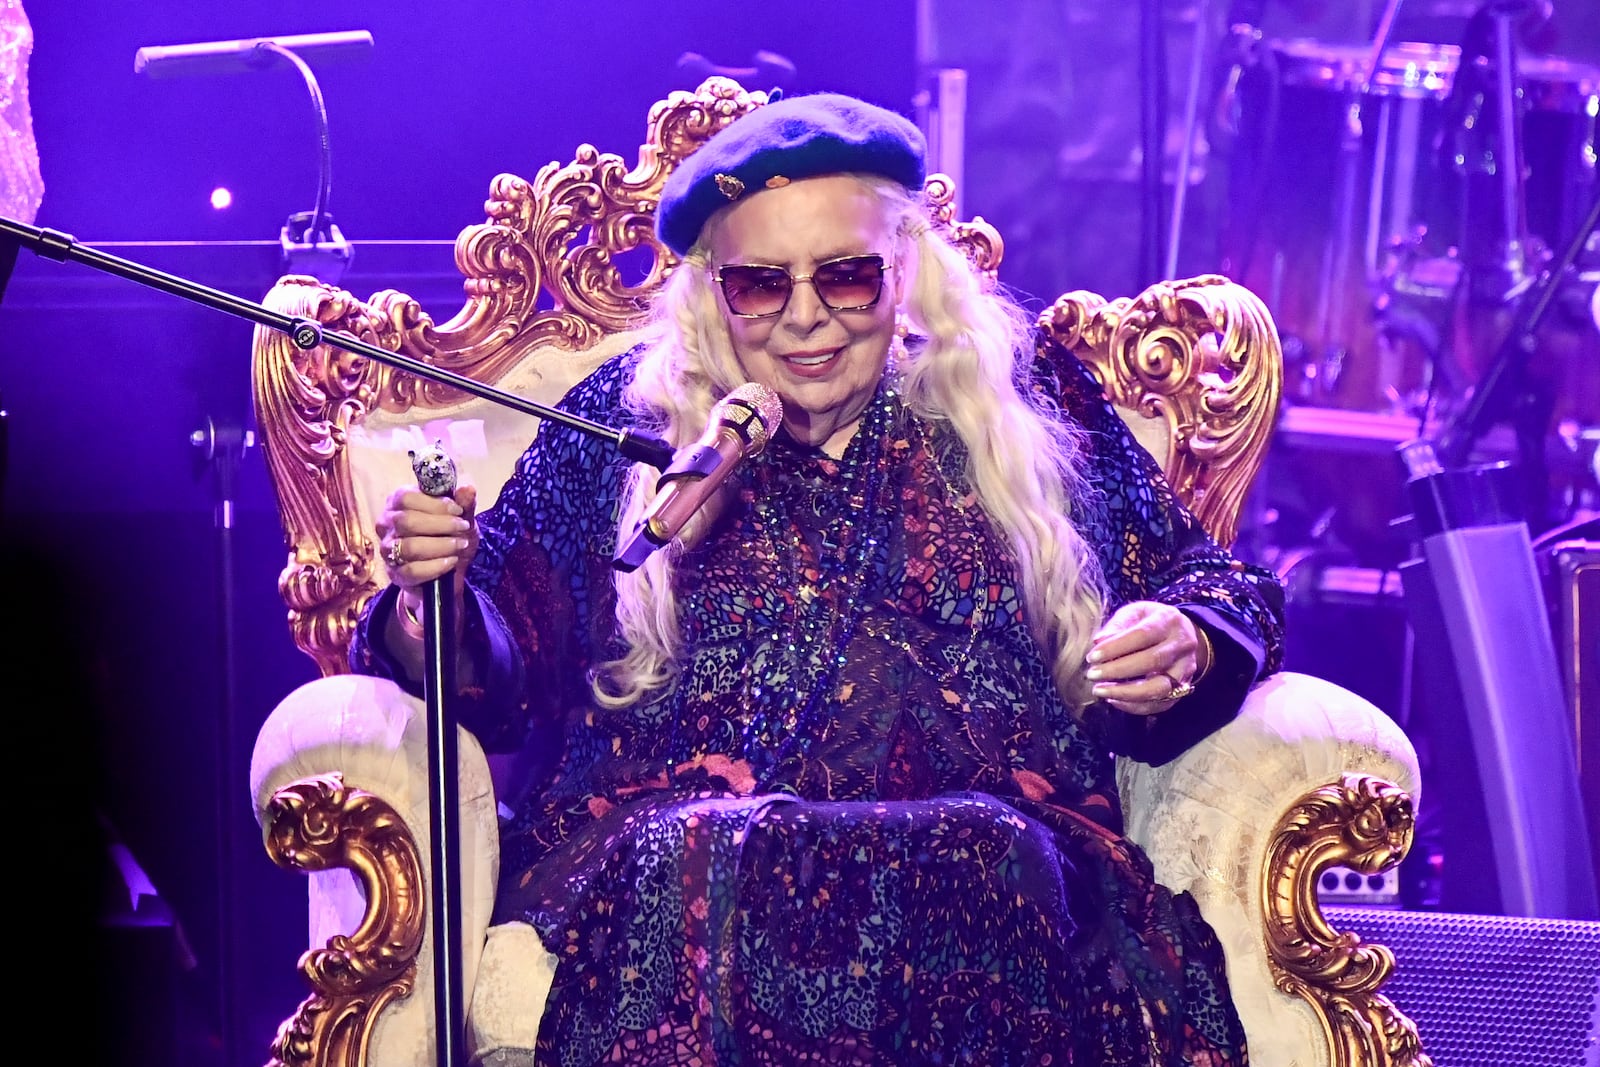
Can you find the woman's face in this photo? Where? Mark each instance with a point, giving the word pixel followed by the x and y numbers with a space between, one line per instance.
pixel 825 364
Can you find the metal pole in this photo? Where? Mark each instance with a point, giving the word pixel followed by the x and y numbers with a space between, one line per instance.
pixel 1191 118
pixel 1152 138
pixel 445 823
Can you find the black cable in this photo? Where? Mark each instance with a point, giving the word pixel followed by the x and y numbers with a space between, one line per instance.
pixel 318 230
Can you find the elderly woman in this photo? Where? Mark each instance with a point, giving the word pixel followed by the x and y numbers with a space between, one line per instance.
pixel 830 776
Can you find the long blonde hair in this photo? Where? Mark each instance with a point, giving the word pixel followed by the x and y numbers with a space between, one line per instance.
pixel 969 375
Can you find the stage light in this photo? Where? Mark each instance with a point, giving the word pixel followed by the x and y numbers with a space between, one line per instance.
pixel 221 198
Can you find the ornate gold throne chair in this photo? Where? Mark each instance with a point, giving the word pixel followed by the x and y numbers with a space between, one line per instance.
pixel 1309 776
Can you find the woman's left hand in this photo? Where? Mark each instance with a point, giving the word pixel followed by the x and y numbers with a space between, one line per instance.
pixel 1144 659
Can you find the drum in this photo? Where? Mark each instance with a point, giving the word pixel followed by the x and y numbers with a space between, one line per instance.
pixel 1554 164
pixel 1562 101
pixel 1341 163
pixel 1406 69
pixel 1365 210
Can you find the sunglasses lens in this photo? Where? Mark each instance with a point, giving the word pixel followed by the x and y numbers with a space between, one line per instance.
pixel 850 284
pixel 755 290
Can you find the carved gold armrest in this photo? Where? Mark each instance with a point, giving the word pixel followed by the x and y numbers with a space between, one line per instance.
pixel 316 824
pixel 1366 824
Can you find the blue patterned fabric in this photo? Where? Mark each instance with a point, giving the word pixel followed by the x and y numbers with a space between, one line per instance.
pixel 862 826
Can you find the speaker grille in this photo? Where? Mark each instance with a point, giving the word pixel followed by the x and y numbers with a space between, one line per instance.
pixel 1489 990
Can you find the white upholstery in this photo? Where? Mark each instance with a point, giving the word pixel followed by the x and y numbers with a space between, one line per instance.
pixel 1153 434
pixel 484 439
pixel 1206 820
pixel 375 736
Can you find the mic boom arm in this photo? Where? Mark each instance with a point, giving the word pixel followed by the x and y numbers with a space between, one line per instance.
pixel 306 334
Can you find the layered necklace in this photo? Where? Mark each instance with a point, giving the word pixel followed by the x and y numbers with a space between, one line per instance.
pixel 836 561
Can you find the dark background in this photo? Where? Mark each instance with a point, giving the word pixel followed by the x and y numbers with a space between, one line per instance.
pixel 150 643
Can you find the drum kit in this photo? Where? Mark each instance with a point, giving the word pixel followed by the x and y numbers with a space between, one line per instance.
pixel 1398 204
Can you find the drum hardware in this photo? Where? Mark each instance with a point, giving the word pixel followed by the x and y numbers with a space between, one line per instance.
pixel 1335 262
pixel 1414 314
pixel 1505 391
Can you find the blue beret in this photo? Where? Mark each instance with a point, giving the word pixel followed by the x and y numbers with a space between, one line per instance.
pixel 793 138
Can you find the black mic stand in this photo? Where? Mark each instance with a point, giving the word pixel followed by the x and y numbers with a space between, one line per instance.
pixel 221 445
pixel 1152 66
pixel 439 651
pixel 436 476
pixel 307 334
pixel 1505 381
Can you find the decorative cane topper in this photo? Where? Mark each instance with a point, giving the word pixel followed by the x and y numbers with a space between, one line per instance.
pixel 435 470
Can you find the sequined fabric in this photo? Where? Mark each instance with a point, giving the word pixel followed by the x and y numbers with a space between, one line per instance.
pixel 21 186
pixel 861 827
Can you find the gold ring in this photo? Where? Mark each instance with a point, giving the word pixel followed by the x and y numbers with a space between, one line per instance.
pixel 395 560
pixel 1179 689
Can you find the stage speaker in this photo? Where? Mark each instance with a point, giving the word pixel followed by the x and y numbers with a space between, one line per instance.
pixel 1572 576
pixel 1477 604
pixel 1488 990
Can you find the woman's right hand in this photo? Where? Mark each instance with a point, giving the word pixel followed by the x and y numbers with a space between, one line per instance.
pixel 424 537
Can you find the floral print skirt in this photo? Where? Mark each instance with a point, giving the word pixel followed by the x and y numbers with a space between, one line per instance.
pixel 962 929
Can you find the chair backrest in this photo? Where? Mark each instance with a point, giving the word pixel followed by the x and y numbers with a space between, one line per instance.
pixel 1196 362
pixel 1195 367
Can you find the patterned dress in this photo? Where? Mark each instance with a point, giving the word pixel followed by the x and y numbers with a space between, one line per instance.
pixel 861 827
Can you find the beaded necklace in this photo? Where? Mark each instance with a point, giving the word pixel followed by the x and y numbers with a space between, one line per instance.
pixel 793 677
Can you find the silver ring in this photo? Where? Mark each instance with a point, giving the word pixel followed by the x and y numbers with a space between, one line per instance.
pixel 393 557
pixel 1179 689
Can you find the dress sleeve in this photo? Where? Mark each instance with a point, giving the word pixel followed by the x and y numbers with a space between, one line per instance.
pixel 537 605
pixel 1153 548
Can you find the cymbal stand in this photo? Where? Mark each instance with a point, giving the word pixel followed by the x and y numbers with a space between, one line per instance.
pixel 1494 223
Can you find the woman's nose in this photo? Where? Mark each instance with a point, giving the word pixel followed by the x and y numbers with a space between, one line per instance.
pixel 805 309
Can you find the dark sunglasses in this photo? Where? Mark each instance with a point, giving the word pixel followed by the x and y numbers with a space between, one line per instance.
pixel 757 291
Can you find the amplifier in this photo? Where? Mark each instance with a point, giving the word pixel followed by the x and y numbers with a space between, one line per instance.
pixel 1572 586
pixel 1340 886
pixel 1491 991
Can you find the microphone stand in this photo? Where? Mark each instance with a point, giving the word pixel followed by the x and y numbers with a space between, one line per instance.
pixel 1496 394
pixel 436 476
pixel 439 629
pixel 444 807
pixel 307 334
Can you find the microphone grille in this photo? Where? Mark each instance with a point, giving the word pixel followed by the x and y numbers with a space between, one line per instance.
pixel 766 407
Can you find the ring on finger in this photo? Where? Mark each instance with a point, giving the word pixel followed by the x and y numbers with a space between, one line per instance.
pixel 393 557
pixel 1179 689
